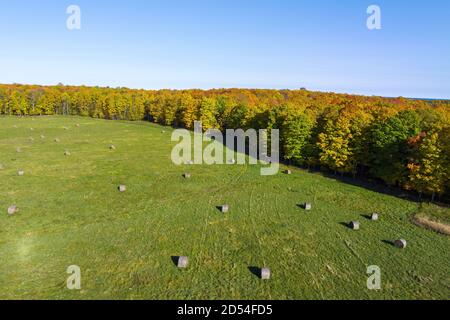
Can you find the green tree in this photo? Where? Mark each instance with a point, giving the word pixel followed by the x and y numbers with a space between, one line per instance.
pixel 189 109
pixel 389 149
pixel 427 172
pixel 334 143
pixel 207 113
pixel 295 134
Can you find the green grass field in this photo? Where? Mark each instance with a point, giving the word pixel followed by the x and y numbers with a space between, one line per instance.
pixel 71 213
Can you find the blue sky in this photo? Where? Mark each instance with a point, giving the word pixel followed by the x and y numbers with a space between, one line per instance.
pixel 321 45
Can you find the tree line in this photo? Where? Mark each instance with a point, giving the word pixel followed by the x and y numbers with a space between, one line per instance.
pixel 403 142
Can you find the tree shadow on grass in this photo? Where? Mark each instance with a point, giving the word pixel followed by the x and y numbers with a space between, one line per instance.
pixel 255 271
pixel 376 185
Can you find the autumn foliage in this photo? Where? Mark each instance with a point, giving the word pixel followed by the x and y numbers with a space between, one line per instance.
pixel 403 142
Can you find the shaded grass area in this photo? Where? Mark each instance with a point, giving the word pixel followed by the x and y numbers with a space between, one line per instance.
pixel 71 213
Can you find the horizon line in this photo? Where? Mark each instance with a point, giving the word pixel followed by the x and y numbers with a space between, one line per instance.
pixel 229 88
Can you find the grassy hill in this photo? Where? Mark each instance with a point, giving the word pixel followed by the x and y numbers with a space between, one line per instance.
pixel 72 214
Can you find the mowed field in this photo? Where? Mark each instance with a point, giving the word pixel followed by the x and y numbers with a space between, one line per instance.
pixel 71 213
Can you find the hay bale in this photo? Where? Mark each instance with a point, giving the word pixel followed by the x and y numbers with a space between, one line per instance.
pixel 122 188
pixel 354 225
pixel 400 243
pixel 265 274
pixel 182 262
pixel 375 217
pixel 77 125
pixel 42 136
pixel 112 147
pixel 225 208
pixel 65 128
pixel 57 140
pixel 307 206
pixel 288 172
pixel 18 150
pixel 32 129
pixel 186 175
pixel 21 173
pixel 13 210
pixel 67 153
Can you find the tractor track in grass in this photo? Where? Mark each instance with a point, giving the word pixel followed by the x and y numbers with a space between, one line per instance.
pixel 262 254
pixel 284 262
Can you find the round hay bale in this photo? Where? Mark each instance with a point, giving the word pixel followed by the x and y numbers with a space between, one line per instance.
pixel 288 172
pixel 42 136
pixel 122 188
pixel 375 217
pixel 13 210
pixel 57 140
pixel 21 173
pixel 265 274
pixel 400 243
pixel 186 175
pixel 77 125
pixel 112 147
pixel 307 206
pixel 183 262
pixel 225 208
pixel 354 225
pixel 67 153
